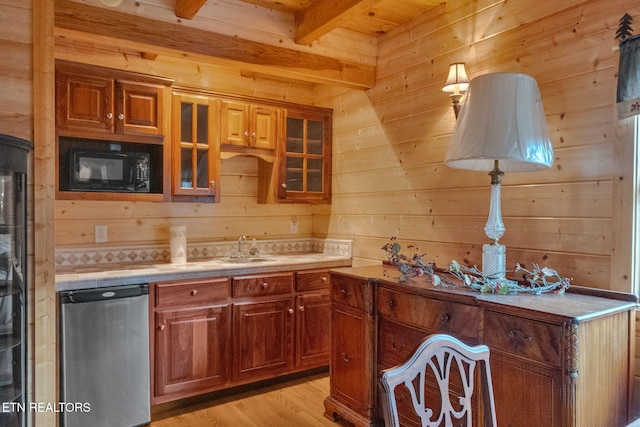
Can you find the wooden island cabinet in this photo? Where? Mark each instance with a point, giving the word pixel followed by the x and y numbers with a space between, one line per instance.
pixel 216 333
pixel 556 360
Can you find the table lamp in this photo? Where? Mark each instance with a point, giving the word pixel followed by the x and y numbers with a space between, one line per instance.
pixel 501 128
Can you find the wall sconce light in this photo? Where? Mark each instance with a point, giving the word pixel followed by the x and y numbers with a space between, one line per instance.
pixel 112 3
pixel 502 127
pixel 457 82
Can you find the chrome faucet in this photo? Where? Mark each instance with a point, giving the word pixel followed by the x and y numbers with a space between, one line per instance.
pixel 242 241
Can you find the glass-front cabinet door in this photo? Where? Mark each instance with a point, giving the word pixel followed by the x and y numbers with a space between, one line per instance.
pixel 307 160
pixel 13 280
pixel 195 143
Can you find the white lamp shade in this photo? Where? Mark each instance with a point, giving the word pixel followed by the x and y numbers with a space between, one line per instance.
pixel 502 119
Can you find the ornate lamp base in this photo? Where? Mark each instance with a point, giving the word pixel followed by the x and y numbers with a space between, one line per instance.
pixel 494 260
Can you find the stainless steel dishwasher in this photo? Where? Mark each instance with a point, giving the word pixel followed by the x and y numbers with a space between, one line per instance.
pixel 104 376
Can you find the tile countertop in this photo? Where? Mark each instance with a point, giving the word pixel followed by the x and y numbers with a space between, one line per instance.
pixel 74 278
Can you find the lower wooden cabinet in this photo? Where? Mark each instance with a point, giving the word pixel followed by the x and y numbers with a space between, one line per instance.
pixel 221 332
pixel 556 360
pixel 191 349
pixel 263 340
pixel 313 336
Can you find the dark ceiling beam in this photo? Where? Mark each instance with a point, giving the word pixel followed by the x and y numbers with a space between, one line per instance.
pixel 187 9
pixel 324 15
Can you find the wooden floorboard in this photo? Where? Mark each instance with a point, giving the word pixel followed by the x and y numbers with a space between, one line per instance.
pixel 296 402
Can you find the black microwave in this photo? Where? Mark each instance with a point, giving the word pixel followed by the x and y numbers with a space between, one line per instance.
pixel 116 171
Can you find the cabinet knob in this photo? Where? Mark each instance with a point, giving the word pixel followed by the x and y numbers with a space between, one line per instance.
pixel 253 134
pixel 109 116
pixel 301 308
pixel 161 327
pixel 265 285
pixel 345 293
pixel 391 303
pixel 397 347
pixel 516 335
pixel 194 292
pixel 444 318
pixel 120 116
pixel 346 357
pixel 283 185
pixel 246 133
pixel 324 278
pixel 291 311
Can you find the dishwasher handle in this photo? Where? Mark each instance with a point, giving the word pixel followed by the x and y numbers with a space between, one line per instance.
pixel 102 294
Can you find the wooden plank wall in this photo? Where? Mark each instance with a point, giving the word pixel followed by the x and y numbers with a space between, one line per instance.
pixel 238 212
pixel 389 143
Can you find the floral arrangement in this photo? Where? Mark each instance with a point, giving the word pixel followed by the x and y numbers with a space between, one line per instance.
pixel 535 281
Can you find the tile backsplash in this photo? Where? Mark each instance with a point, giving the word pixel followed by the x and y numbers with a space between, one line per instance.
pixel 100 255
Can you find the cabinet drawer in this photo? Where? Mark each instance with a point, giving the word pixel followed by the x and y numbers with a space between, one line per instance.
pixel 312 280
pixel 347 292
pixel 453 318
pixel 529 338
pixel 264 284
pixel 197 291
pixel 396 342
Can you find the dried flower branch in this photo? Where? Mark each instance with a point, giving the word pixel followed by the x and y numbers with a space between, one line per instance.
pixel 537 281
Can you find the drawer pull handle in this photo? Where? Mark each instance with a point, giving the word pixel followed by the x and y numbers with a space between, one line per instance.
pixel 391 303
pixel 345 293
pixel 265 285
pixel 444 318
pixel 514 334
pixel 346 357
pixel 194 292
pixel 397 347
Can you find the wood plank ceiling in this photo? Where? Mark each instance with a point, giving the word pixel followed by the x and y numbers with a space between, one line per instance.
pixel 315 18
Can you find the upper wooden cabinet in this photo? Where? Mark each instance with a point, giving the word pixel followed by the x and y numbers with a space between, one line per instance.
pixel 93 101
pixel 305 170
pixel 248 125
pixel 301 171
pixel 195 142
pixel 105 110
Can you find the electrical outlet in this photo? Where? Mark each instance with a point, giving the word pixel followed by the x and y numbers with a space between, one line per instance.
pixel 293 227
pixel 101 233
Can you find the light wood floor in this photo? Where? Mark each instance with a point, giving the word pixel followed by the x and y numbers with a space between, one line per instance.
pixel 297 402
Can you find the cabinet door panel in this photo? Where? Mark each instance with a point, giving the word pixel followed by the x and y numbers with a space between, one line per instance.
pixel 235 123
pixel 195 155
pixel 313 333
pixel 141 106
pixel 263 134
pixel 349 380
pixel 525 394
pixel 191 350
pixel 263 339
pixel 85 102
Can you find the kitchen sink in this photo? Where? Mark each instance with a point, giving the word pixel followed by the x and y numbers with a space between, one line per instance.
pixel 245 260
